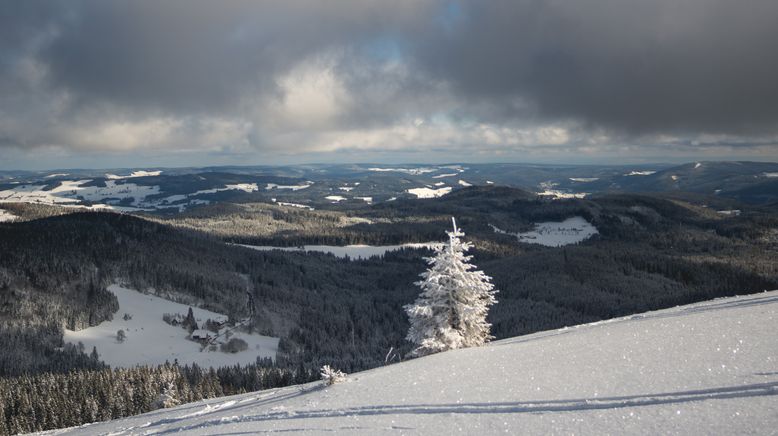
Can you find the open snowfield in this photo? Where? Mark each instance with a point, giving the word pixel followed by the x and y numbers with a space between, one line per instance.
pixel 151 341
pixel 707 368
pixel 428 192
pixel 556 234
pixel 352 251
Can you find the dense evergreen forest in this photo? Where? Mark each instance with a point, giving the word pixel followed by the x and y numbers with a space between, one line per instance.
pixel 650 253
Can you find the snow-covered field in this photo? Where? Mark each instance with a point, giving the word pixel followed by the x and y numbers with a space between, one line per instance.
pixel 151 341
pixel 707 368
pixel 6 216
pixel 429 192
pixel 556 234
pixel 352 251
pixel 640 173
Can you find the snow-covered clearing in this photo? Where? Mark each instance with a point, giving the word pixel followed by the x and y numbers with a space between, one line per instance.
pixel 297 205
pixel 73 191
pixel 140 173
pixel 151 341
pixel 557 194
pixel 410 171
pixel 555 234
pixel 584 179
pixel 346 188
pixel 352 251
pixel 429 192
pixel 56 175
pixel 245 187
pixel 640 173
pixel 771 175
pixel 707 368
pixel 335 198
pixel 6 216
pixel 440 176
pixel 365 199
pixel 464 183
pixel 291 187
pixel 732 212
pixel 697 165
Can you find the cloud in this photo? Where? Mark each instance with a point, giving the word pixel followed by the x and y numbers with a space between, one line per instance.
pixel 521 78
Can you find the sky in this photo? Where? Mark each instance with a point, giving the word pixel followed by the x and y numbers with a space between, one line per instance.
pixel 191 82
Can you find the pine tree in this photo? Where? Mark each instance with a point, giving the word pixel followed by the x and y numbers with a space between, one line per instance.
pixel 451 310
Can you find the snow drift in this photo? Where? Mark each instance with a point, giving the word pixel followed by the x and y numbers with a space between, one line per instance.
pixel 708 368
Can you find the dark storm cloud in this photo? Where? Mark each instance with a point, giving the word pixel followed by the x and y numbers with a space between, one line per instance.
pixel 147 71
pixel 660 65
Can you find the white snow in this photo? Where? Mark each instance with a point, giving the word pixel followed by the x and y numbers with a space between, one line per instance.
pixel 733 212
pixel 440 176
pixel 134 174
pixel 346 188
pixel 56 175
pixel 6 216
pixel 439 183
pixel 411 171
pixel 151 341
pixel 335 198
pixel 292 187
pixel 557 194
pixel 697 165
pixel 674 177
pixel 555 234
pixel 428 192
pixel 640 173
pixel 771 175
pixel 707 368
pixel 489 182
pixel 72 191
pixel 352 251
pixel 297 205
pixel 464 183
pixel 365 199
pixel 584 179
pixel 245 187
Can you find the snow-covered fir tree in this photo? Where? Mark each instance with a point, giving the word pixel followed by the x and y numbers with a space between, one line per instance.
pixel 455 299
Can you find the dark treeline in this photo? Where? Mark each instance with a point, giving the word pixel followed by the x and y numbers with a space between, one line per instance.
pixel 48 401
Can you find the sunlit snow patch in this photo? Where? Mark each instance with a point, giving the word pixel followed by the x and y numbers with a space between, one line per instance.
pixel 640 173
pixel 134 174
pixel 151 341
pixel 428 192
pixel 335 198
pixel 291 187
pixel 464 183
pixel 6 216
pixel 584 179
pixel 557 194
pixel 555 234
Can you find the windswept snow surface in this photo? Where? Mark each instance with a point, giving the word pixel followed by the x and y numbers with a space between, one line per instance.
pixel 707 368
pixel 151 341
pixel 352 251
pixel 555 234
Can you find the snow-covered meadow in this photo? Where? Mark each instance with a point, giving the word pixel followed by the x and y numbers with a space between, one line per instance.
pixel 554 233
pixel 706 368
pixel 151 341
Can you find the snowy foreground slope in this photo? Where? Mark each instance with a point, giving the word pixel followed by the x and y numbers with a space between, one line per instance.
pixel 709 368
